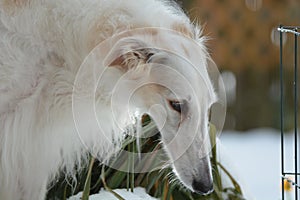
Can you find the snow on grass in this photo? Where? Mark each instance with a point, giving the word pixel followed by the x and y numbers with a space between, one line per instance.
pixel 138 194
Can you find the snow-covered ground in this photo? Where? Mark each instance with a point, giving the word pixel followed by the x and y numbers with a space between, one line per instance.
pixel 255 161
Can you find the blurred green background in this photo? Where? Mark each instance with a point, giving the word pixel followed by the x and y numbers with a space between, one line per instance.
pixel 244 43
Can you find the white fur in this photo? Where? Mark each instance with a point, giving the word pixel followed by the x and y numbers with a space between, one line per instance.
pixel 42 45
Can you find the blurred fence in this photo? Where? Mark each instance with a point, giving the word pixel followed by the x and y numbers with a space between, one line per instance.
pixel 244 43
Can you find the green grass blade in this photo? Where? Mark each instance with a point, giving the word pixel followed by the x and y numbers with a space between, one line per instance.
pixel 107 188
pixel 87 185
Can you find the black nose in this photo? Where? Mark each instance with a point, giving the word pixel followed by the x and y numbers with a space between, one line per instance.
pixel 202 187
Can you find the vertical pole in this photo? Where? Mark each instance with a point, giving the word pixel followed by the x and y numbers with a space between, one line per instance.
pixel 296 113
pixel 281 115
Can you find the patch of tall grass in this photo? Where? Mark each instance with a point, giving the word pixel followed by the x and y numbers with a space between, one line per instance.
pixel 160 183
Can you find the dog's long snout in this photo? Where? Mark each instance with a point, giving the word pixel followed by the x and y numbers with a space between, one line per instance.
pixel 203 183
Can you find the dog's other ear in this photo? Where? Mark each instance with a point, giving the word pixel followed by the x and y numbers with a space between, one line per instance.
pixel 129 53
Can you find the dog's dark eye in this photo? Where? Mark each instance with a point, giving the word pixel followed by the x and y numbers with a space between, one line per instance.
pixel 176 105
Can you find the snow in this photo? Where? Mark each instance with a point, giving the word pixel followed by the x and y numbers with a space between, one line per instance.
pixel 255 161
pixel 138 194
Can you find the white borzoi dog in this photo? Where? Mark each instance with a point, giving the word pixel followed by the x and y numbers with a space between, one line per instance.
pixel 45 128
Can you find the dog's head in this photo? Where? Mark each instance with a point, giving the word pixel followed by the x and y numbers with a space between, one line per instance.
pixel 172 85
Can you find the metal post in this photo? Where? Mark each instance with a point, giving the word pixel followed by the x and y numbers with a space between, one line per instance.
pixel 296 114
pixel 281 115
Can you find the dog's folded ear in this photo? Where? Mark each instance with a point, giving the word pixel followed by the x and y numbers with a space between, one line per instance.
pixel 129 53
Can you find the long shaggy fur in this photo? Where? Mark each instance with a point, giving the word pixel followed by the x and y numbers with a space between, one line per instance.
pixel 42 45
